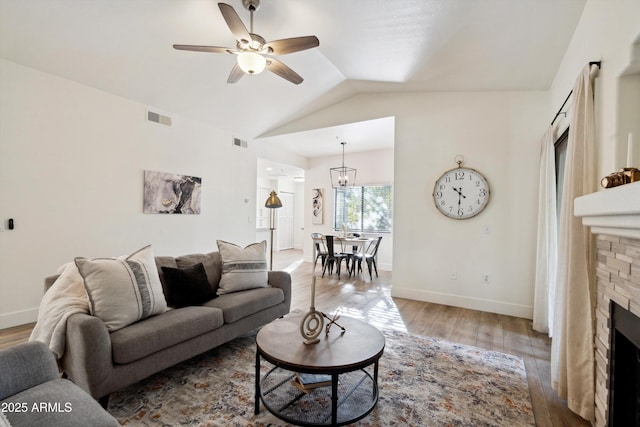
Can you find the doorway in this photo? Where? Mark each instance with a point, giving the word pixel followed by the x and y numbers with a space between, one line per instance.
pixel 286 221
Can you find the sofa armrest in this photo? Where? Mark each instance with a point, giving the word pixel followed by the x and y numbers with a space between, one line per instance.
pixel 24 366
pixel 87 359
pixel 282 280
pixel 49 281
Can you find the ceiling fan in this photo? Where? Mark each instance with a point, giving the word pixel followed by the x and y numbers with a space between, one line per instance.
pixel 252 50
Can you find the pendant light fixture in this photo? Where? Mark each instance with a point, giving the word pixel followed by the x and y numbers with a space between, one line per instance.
pixel 343 176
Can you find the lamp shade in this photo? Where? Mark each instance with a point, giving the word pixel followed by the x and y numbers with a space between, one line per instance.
pixel 273 201
pixel 252 62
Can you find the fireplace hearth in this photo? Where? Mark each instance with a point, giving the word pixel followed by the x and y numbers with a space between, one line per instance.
pixel 624 368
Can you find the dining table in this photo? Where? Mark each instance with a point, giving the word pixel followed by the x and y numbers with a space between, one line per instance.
pixel 362 243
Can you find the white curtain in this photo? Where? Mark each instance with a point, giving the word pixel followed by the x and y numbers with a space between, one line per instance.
pixel 572 346
pixel 547 250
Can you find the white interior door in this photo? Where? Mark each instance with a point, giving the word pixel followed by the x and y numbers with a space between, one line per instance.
pixel 286 218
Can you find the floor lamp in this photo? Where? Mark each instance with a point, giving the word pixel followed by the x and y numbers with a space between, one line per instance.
pixel 273 202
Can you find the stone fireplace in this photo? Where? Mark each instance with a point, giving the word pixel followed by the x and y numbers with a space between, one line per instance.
pixel 614 218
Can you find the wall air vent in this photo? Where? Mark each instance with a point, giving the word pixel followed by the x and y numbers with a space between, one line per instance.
pixel 237 142
pixel 158 118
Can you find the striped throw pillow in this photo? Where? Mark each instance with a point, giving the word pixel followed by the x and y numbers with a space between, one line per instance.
pixel 243 268
pixel 123 290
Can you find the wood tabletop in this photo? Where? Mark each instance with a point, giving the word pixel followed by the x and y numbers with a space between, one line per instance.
pixel 281 342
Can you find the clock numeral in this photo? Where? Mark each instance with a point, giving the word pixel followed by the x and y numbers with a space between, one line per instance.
pixel 439 194
pixel 460 212
pixel 483 192
pixel 459 176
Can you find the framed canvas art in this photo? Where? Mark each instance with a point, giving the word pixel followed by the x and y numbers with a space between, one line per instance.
pixel 317 208
pixel 171 193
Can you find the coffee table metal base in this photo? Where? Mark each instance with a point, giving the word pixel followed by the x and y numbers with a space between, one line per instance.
pixel 351 397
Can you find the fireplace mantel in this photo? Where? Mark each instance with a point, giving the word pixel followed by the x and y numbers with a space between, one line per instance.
pixel 614 211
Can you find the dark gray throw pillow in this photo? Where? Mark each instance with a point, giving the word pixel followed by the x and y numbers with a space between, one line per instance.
pixel 188 286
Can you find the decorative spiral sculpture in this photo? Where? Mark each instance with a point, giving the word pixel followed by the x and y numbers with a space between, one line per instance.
pixel 311 326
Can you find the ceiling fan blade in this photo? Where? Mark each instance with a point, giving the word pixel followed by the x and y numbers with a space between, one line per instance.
pixel 234 23
pixel 294 44
pixel 235 74
pixel 277 67
pixel 212 49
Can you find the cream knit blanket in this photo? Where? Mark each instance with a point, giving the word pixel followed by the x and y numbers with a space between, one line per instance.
pixel 66 296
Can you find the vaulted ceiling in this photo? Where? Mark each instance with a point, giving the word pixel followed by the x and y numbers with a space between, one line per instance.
pixel 125 47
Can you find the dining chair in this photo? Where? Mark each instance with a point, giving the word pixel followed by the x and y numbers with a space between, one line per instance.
pixel 333 258
pixel 321 248
pixel 369 256
pixel 349 256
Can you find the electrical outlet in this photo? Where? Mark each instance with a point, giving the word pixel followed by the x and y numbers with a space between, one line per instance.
pixel 454 275
pixel 485 278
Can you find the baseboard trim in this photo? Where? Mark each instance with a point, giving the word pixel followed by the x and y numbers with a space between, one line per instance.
pixel 499 307
pixel 17 318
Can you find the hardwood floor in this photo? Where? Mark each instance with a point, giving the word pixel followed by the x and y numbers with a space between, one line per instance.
pixel 370 300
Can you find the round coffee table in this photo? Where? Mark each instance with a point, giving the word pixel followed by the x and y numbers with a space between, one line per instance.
pixel 350 359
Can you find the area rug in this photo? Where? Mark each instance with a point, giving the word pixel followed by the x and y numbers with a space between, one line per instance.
pixel 422 382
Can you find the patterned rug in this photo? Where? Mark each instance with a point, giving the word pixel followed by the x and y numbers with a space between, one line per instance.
pixel 422 382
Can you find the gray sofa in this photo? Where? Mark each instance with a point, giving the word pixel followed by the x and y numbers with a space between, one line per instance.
pixel 101 362
pixel 33 394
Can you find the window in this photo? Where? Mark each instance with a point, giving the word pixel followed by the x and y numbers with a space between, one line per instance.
pixel 367 208
pixel 561 155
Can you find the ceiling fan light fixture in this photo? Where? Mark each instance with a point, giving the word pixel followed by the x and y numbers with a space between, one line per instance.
pixel 252 62
pixel 251 47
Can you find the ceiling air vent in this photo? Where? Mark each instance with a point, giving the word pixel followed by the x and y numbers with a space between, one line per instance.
pixel 237 142
pixel 158 118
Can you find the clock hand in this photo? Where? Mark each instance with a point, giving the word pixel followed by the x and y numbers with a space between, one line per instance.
pixel 459 192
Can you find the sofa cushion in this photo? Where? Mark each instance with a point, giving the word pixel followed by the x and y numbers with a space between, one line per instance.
pixel 123 290
pixel 241 304
pixel 58 403
pixel 187 286
pixel 212 266
pixel 243 268
pixel 162 331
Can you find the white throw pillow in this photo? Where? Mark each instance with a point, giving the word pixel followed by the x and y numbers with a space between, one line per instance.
pixel 123 290
pixel 243 268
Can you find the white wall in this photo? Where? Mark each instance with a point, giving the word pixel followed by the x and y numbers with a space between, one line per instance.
pixel 498 133
pixel 373 168
pixel 71 175
pixel 606 32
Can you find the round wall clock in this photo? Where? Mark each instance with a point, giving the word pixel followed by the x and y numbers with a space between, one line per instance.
pixel 461 193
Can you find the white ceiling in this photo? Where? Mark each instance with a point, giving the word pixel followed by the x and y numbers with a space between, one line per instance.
pixel 125 47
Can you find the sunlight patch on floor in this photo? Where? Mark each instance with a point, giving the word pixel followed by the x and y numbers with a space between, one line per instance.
pixel 291 267
pixel 383 315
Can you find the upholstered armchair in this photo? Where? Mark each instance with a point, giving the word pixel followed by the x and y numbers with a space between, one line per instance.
pixel 32 392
